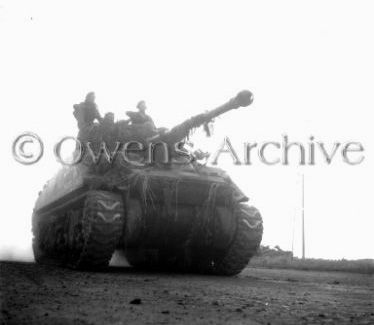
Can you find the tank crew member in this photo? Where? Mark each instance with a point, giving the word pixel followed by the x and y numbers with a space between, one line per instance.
pixel 141 117
pixel 108 119
pixel 87 112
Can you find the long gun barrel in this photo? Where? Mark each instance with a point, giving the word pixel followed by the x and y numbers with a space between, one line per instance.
pixel 181 131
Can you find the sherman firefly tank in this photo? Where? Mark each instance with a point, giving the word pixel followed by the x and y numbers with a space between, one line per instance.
pixel 176 215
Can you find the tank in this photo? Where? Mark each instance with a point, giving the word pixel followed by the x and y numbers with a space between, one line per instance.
pixel 175 215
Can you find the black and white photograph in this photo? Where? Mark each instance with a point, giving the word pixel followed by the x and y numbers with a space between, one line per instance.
pixel 186 162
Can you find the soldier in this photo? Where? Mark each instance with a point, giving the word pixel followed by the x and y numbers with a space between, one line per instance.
pixel 141 117
pixel 108 119
pixel 86 112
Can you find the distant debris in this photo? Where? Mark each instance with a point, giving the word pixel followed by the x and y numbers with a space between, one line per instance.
pixel 274 252
pixel 136 301
pixel 277 258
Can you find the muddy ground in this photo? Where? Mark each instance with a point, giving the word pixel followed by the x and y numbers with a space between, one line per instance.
pixel 34 294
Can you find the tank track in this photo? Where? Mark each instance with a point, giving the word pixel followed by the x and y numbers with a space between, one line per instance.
pixel 245 243
pixel 231 261
pixel 243 246
pixel 81 236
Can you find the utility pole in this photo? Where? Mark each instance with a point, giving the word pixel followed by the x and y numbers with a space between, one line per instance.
pixel 293 232
pixel 302 217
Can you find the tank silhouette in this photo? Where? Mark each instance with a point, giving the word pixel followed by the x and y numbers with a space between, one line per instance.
pixel 175 215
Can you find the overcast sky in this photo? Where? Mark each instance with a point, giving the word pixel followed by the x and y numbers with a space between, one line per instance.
pixel 309 64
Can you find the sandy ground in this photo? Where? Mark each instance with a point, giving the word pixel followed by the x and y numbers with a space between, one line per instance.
pixel 34 294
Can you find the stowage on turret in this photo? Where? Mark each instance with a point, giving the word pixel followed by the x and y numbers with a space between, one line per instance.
pixel 163 211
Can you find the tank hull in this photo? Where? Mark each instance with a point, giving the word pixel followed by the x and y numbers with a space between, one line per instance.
pixel 166 218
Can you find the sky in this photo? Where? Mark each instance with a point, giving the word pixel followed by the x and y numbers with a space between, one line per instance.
pixel 309 65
